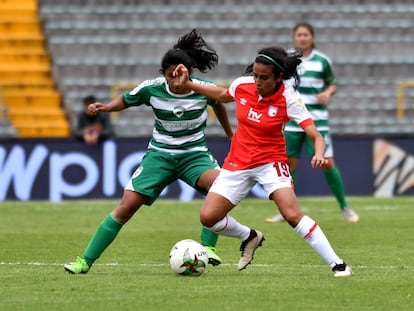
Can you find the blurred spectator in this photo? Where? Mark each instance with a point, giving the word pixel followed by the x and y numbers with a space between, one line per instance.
pixel 92 128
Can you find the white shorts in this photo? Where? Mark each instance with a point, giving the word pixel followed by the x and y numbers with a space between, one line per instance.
pixel 236 185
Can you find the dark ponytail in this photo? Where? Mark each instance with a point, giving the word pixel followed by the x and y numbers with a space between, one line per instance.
pixel 192 51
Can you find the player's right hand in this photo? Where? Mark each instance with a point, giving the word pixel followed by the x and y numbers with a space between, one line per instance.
pixel 96 107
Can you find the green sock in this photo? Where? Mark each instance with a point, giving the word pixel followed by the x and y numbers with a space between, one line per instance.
pixel 334 180
pixel 208 238
pixel 104 235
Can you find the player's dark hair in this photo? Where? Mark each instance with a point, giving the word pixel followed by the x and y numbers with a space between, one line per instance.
pixel 309 27
pixel 281 61
pixel 192 51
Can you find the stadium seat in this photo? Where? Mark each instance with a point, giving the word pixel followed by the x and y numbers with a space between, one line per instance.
pixel 28 90
pixel 370 46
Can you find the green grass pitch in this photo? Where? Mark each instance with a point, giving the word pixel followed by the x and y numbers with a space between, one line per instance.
pixel 37 238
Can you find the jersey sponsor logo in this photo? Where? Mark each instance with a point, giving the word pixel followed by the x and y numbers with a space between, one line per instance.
pixel 254 116
pixel 180 125
pixel 272 111
pixel 178 111
pixel 174 126
pixel 299 101
pixel 243 101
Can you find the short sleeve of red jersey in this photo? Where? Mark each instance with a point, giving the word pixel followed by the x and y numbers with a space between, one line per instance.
pixel 231 91
pixel 296 109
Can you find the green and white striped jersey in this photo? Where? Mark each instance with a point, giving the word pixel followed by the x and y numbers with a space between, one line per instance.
pixel 180 119
pixel 315 75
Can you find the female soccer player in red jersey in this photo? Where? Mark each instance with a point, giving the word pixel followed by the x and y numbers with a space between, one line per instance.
pixel 317 85
pixel 265 99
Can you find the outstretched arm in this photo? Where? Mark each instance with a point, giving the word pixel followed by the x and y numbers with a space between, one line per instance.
pixel 221 113
pixel 116 104
pixel 215 92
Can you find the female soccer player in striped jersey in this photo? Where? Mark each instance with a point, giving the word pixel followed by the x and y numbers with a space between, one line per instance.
pixel 317 85
pixel 177 149
pixel 264 103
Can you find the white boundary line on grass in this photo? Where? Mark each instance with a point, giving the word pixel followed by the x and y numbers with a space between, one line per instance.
pixel 35 263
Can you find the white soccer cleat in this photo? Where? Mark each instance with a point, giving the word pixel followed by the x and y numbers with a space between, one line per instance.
pixel 248 248
pixel 349 214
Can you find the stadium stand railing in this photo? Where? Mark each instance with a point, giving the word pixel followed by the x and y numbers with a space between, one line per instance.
pixel 401 103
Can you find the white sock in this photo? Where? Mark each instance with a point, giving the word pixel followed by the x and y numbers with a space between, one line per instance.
pixel 314 236
pixel 229 226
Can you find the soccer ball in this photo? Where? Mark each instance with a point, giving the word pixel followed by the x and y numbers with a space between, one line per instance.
pixel 188 257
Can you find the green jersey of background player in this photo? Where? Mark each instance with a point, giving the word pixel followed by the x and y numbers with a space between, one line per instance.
pixel 317 85
pixel 177 149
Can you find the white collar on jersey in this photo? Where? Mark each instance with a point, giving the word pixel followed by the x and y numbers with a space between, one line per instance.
pixel 175 94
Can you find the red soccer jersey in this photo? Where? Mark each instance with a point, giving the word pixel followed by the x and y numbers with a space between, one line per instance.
pixel 259 138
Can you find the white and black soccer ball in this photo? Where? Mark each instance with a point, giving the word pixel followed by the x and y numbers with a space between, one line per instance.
pixel 188 257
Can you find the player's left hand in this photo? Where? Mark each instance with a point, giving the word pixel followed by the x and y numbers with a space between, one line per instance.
pixel 318 161
pixel 324 97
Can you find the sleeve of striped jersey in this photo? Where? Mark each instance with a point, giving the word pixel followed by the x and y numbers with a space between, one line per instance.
pixel 137 96
pixel 329 76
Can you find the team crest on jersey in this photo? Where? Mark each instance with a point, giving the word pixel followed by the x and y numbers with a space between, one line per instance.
pixel 178 111
pixel 243 101
pixel 272 111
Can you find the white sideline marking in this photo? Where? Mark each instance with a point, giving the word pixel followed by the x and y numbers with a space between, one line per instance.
pixel 3 263
pixel 381 207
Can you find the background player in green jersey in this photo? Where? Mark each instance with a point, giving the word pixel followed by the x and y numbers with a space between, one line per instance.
pixel 177 149
pixel 317 85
